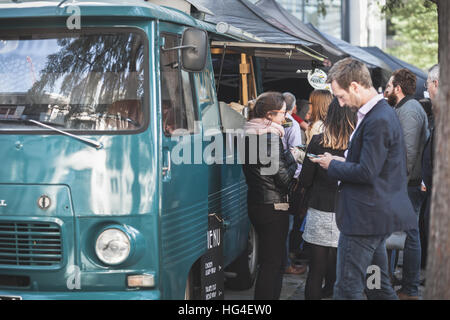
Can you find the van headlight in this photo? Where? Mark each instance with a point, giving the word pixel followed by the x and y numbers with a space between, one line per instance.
pixel 113 246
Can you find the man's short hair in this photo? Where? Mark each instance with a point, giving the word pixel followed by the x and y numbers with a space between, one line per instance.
pixel 406 79
pixel 433 73
pixel 290 100
pixel 347 70
pixel 303 108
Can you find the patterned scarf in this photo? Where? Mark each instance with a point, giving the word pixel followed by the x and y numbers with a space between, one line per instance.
pixel 261 126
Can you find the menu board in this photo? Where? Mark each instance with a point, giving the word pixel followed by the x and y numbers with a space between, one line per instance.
pixel 212 276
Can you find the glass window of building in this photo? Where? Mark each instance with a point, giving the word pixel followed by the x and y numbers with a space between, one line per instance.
pixel 310 11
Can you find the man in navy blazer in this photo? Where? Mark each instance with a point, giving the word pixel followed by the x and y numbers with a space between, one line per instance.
pixel 372 198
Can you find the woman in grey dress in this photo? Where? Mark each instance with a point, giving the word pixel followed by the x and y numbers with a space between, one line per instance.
pixel 321 231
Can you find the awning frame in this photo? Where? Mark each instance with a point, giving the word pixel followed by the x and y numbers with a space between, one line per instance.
pixel 271 50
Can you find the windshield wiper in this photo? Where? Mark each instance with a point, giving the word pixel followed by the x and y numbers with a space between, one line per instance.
pixel 93 143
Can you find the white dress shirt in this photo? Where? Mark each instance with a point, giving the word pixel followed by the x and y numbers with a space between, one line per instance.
pixel 362 112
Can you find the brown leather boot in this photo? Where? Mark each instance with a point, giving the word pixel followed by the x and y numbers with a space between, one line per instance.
pixel 295 269
pixel 404 296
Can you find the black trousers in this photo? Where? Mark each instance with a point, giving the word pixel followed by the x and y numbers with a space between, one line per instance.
pixel 271 226
pixel 322 265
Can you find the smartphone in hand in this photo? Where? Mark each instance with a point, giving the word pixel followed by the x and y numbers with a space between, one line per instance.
pixel 310 155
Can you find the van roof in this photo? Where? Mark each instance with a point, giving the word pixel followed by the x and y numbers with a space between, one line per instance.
pixel 138 9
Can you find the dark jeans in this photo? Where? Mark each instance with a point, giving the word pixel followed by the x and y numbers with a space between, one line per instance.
pixel 287 261
pixel 412 249
pixel 295 235
pixel 354 256
pixel 424 222
pixel 271 226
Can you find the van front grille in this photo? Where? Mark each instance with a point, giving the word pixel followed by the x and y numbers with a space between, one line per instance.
pixel 30 244
pixel 14 281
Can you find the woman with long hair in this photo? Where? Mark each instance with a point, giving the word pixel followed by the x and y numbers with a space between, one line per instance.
pixel 321 231
pixel 269 179
pixel 319 102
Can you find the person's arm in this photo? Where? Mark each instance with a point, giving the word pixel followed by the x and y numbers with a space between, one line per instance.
pixel 304 125
pixel 412 123
pixel 284 177
pixel 296 136
pixel 293 136
pixel 309 168
pixel 427 163
pixel 279 163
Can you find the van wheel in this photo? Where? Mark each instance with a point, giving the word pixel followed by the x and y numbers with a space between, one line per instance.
pixel 245 267
pixel 192 290
pixel 189 291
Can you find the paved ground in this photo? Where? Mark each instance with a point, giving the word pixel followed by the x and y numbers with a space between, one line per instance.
pixel 294 287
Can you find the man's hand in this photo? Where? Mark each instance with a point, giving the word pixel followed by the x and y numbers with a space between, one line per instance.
pixel 325 159
pixel 298 154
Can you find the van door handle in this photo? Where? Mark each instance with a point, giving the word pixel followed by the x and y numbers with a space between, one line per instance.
pixel 167 163
pixel 226 224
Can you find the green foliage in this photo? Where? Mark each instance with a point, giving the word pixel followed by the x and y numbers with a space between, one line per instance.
pixel 415 23
pixel 392 5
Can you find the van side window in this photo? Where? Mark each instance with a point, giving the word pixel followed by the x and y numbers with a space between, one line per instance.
pixel 176 92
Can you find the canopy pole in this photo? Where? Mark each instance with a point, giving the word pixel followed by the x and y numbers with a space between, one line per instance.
pixel 244 70
pixel 310 54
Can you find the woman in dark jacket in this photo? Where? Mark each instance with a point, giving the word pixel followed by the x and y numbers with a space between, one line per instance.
pixel 269 173
pixel 321 231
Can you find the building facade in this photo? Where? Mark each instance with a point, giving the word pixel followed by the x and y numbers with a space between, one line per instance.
pixel 359 22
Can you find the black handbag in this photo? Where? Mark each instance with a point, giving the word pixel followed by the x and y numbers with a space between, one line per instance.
pixel 299 201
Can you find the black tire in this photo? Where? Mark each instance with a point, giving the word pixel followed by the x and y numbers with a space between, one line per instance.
pixel 244 269
pixel 192 289
pixel 189 290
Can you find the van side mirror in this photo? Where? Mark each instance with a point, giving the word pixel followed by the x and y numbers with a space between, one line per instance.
pixel 194 53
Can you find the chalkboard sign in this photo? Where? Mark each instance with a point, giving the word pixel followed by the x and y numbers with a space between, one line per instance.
pixel 212 276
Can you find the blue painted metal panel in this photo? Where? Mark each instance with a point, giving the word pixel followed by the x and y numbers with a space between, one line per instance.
pixel 91 188
pixel 131 9
pixel 184 206
pixel 225 181
pixel 118 184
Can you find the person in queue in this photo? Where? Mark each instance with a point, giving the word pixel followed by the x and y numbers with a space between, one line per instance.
pixel 373 199
pixel 320 100
pixel 400 92
pixel 432 86
pixel 321 231
pixel 292 139
pixel 269 183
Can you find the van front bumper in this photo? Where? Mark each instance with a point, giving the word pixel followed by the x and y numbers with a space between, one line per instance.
pixel 78 295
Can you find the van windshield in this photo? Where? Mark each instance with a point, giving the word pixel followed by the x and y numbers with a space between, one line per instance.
pixel 82 82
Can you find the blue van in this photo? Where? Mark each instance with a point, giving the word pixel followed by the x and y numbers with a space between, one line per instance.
pixel 93 204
